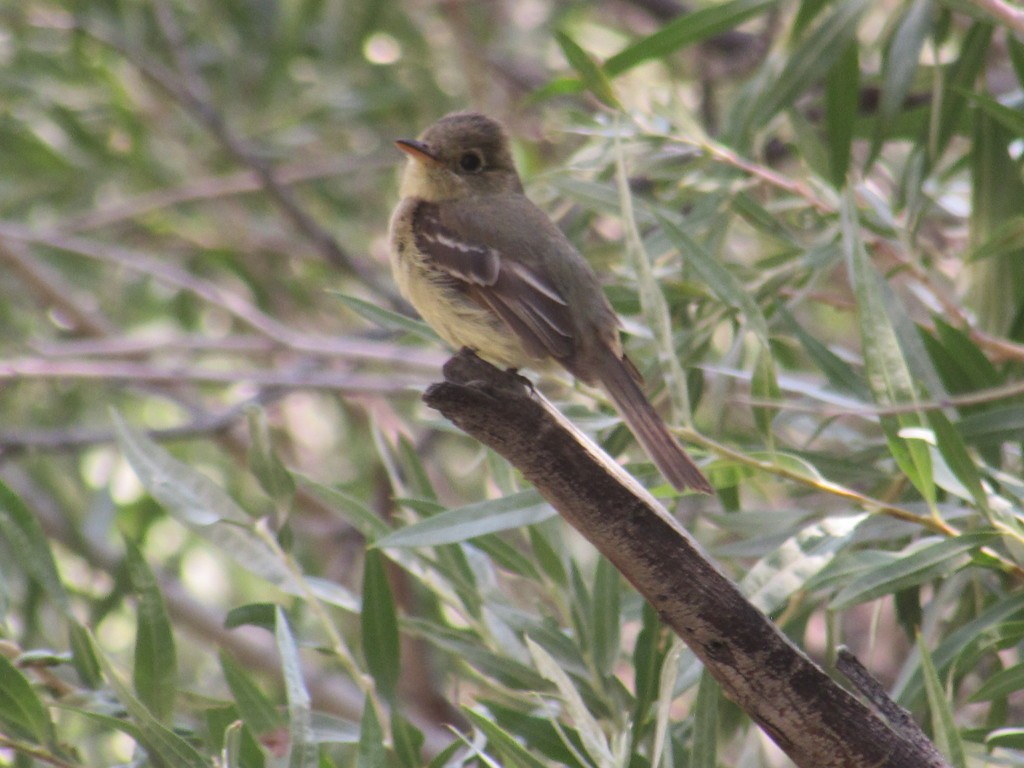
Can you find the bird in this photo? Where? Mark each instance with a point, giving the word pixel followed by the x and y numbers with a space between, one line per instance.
pixel 489 270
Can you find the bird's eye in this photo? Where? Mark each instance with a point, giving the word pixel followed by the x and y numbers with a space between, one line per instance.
pixel 471 162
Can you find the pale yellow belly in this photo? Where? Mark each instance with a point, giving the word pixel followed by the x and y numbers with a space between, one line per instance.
pixel 455 318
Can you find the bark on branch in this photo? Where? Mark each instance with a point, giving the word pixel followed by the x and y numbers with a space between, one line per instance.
pixel 814 720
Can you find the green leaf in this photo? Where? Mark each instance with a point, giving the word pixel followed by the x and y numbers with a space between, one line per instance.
pixel 255 614
pixel 156 669
pixel 82 655
pixel 765 386
pixel 21 710
pixel 303 750
pixel 900 63
pixel 960 77
pixel 954 452
pixel 721 282
pixel 371 753
pixel 839 373
pixel 408 741
pixel 606 619
pixel 272 475
pixel 704 753
pixel 815 54
pixel 590 72
pixel 925 563
pixel 791 564
pixel 594 739
pixel 348 507
pixel 189 495
pixel 258 712
pixel 165 748
pixel 958 644
pixel 389 320
pixel 503 743
pixel 842 100
pixel 473 520
pixel 686 29
pixel 1001 684
pixel 28 545
pixel 380 626
pixel 200 504
pixel 889 376
pixel 947 737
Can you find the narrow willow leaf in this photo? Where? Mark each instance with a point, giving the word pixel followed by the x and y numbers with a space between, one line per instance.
pixel 156 669
pixel 814 55
pixel 704 753
pixel 605 618
pixel 408 741
pixel 28 545
pixel 889 376
pixel 1001 684
pixel 561 744
pixel 788 568
pixel 82 655
pixel 503 743
pixel 947 737
pixel 997 197
pixel 258 712
pixel 22 713
pixel 347 506
pixel 590 730
pixel 590 72
pixel 900 63
pixel 189 495
pixel 960 77
pixel 839 373
pixel 389 320
pixel 842 99
pixel 473 520
pixel 721 282
pixel 417 479
pixel 954 451
pixel 165 748
pixel 371 752
pixel 648 657
pixel 959 643
pixel 765 386
pixel 686 29
pixel 652 299
pixel 270 472
pixel 380 626
pixel 303 751
pixel 924 564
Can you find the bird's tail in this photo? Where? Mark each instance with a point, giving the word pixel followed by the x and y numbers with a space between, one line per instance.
pixel 620 380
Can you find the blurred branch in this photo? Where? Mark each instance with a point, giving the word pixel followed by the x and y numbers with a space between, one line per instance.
pixel 238 183
pixel 301 376
pixel 1005 14
pixel 815 721
pixel 53 290
pixel 139 261
pixel 189 91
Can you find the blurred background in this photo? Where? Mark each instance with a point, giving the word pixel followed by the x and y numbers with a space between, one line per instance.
pixel 231 531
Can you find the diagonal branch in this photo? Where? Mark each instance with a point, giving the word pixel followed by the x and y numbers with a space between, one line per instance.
pixel 815 721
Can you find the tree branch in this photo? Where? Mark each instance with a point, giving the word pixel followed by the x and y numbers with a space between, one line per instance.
pixel 815 721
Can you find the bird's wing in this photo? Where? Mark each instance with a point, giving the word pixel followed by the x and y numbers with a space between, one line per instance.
pixel 503 275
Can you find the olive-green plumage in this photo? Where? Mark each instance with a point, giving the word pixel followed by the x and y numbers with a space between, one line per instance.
pixel 489 270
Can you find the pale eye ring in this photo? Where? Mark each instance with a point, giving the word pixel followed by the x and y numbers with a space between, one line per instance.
pixel 471 161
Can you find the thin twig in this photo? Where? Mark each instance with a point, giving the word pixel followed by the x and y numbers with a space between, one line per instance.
pixel 299 376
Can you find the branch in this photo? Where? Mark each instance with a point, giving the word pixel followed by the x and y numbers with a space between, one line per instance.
pixel 815 721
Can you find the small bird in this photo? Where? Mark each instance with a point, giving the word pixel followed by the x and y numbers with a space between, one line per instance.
pixel 488 270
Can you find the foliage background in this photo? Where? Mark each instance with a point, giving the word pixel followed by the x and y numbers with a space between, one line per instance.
pixel 210 390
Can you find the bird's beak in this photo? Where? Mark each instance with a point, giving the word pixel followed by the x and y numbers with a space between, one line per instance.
pixel 417 150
